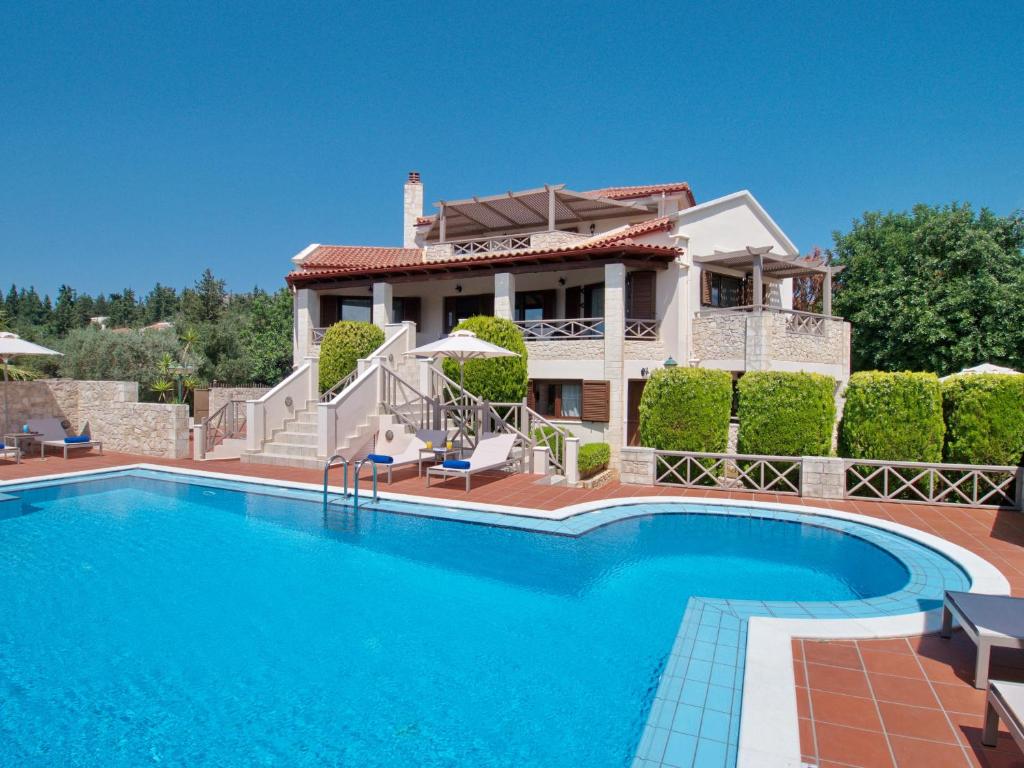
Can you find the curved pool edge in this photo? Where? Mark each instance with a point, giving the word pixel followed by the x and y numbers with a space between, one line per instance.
pixel 769 734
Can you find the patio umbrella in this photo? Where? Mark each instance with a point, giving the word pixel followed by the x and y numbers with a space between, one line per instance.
pixel 461 346
pixel 983 368
pixel 12 345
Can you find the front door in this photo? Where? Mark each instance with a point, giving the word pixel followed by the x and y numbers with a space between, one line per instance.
pixel 633 395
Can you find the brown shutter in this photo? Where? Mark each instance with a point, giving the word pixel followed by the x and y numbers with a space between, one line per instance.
pixel 574 302
pixel 747 298
pixel 550 302
pixel 448 319
pixel 487 305
pixel 705 288
pixel 406 308
pixel 330 310
pixel 531 395
pixel 596 401
pixel 640 295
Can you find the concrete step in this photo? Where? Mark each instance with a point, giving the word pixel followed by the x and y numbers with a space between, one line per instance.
pixel 281 460
pixel 288 449
pixel 292 437
pixel 306 417
pixel 306 427
pixel 231 448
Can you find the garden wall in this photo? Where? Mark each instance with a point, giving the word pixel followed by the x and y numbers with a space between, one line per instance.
pixel 109 410
pixel 220 396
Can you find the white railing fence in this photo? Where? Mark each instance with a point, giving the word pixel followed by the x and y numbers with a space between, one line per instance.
pixel 646 330
pixel 490 245
pixel 769 474
pixel 954 484
pixel 555 329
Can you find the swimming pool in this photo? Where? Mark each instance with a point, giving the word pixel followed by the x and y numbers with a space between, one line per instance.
pixel 153 618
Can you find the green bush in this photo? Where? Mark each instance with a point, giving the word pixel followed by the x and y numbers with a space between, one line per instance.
pixel 593 458
pixel 552 438
pixel 786 414
pixel 686 409
pixel 92 354
pixel 892 416
pixel 344 344
pixel 984 419
pixel 499 379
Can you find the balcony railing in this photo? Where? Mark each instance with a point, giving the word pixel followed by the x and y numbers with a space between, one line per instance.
pixel 491 245
pixel 562 329
pixel 643 330
pixel 318 335
pixel 796 321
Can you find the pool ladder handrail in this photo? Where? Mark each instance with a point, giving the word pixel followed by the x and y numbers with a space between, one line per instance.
pixel 336 458
pixel 355 481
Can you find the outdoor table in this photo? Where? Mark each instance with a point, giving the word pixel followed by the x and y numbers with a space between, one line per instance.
pixel 439 454
pixel 15 438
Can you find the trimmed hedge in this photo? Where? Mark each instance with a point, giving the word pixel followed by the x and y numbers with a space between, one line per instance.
pixel 343 345
pixel 786 414
pixel 499 379
pixel 892 416
pixel 686 409
pixel 984 419
pixel 593 458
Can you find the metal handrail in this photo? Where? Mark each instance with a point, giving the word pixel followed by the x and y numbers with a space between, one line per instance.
pixel 226 422
pixel 355 482
pixel 334 391
pixel 336 458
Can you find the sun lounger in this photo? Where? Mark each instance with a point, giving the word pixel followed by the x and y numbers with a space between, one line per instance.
pixel 490 453
pixel 52 434
pixel 991 621
pixel 10 452
pixel 406 449
pixel 1005 702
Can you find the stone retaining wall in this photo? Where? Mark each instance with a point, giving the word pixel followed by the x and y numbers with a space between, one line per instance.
pixel 109 410
pixel 220 396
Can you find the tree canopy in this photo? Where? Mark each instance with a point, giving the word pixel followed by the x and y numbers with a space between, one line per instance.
pixel 936 289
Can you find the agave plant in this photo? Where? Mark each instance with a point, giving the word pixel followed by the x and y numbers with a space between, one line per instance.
pixel 21 373
pixel 162 388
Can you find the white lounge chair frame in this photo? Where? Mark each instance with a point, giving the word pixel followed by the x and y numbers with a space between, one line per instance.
pixel 11 452
pixel 490 453
pixel 991 621
pixel 52 435
pixel 1005 702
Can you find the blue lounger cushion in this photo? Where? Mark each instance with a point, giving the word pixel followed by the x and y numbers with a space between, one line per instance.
pixel 77 439
pixel 455 464
pixel 380 458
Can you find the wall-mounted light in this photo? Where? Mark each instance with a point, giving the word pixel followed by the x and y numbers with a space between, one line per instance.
pixel 593 228
pixel 670 363
pixel 561 281
pixel 458 288
pixel 645 372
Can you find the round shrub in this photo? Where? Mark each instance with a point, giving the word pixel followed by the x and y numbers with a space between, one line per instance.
pixel 984 419
pixel 786 414
pixel 498 379
pixel 893 417
pixel 686 409
pixel 593 458
pixel 344 344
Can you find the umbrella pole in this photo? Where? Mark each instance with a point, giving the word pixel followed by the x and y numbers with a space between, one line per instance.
pixel 7 418
pixel 462 398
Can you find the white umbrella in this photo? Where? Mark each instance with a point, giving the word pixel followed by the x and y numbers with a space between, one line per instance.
pixel 462 346
pixel 983 368
pixel 12 345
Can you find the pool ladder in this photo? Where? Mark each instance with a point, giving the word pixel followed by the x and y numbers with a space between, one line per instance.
pixel 336 459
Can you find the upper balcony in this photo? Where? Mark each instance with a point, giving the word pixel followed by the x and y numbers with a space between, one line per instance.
pixel 453 249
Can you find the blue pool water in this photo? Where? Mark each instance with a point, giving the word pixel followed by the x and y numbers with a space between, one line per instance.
pixel 148 622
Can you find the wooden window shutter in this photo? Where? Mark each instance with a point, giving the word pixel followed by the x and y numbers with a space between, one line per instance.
pixel 329 310
pixel 531 395
pixel 596 401
pixel 574 302
pixel 550 301
pixel 406 308
pixel 640 295
pixel 705 288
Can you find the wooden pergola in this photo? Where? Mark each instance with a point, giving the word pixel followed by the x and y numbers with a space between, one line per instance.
pixel 760 262
pixel 547 207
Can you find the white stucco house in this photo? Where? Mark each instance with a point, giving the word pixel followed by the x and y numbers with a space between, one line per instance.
pixel 606 285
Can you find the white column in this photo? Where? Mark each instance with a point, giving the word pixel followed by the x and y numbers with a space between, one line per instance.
pixel 758 282
pixel 505 295
pixel 306 318
pixel 382 309
pixel 572 457
pixel 826 294
pixel 614 332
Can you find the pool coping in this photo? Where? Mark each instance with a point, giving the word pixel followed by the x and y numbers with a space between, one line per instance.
pixel 769 734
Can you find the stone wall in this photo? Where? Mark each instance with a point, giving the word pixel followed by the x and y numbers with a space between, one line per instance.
pixel 720 336
pixel 637 466
pixel 220 396
pixel 109 410
pixel 643 349
pixel 568 349
pixel 786 343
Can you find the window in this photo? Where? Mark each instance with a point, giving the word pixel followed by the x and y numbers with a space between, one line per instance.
pixel 458 308
pixel 721 290
pixel 535 305
pixel 640 288
pixel 406 308
pixel 584 300
pixel 557 399
pixel 335 308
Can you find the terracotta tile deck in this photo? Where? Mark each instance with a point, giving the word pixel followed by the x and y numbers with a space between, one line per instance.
pixel 900 702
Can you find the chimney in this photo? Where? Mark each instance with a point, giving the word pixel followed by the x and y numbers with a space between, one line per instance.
pixel 413 208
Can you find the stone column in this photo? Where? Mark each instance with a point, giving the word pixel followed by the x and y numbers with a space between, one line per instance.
pixel 823 477
pixel 572 458
pixel 505 295
pixel 614 333
pixel 382 307
pixel 307 317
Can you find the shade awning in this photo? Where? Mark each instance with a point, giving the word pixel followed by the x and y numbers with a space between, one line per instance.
pixel 775 265
pixel 548 206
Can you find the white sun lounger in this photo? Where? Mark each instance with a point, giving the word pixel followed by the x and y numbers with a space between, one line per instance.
pixel 490 453
pixel 10 452
pixel 1005 702
pixel 991 621
pixel 52 434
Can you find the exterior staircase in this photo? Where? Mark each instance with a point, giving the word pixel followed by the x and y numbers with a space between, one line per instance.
pixel 293 445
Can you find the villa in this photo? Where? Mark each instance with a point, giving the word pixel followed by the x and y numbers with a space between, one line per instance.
pixel 606 285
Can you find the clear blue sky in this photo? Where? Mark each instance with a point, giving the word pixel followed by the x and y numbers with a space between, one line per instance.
pixel 146 141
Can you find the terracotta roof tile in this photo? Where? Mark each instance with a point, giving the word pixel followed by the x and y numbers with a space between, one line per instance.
pixel 643 228
pixel 644 190
pixel 360 256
